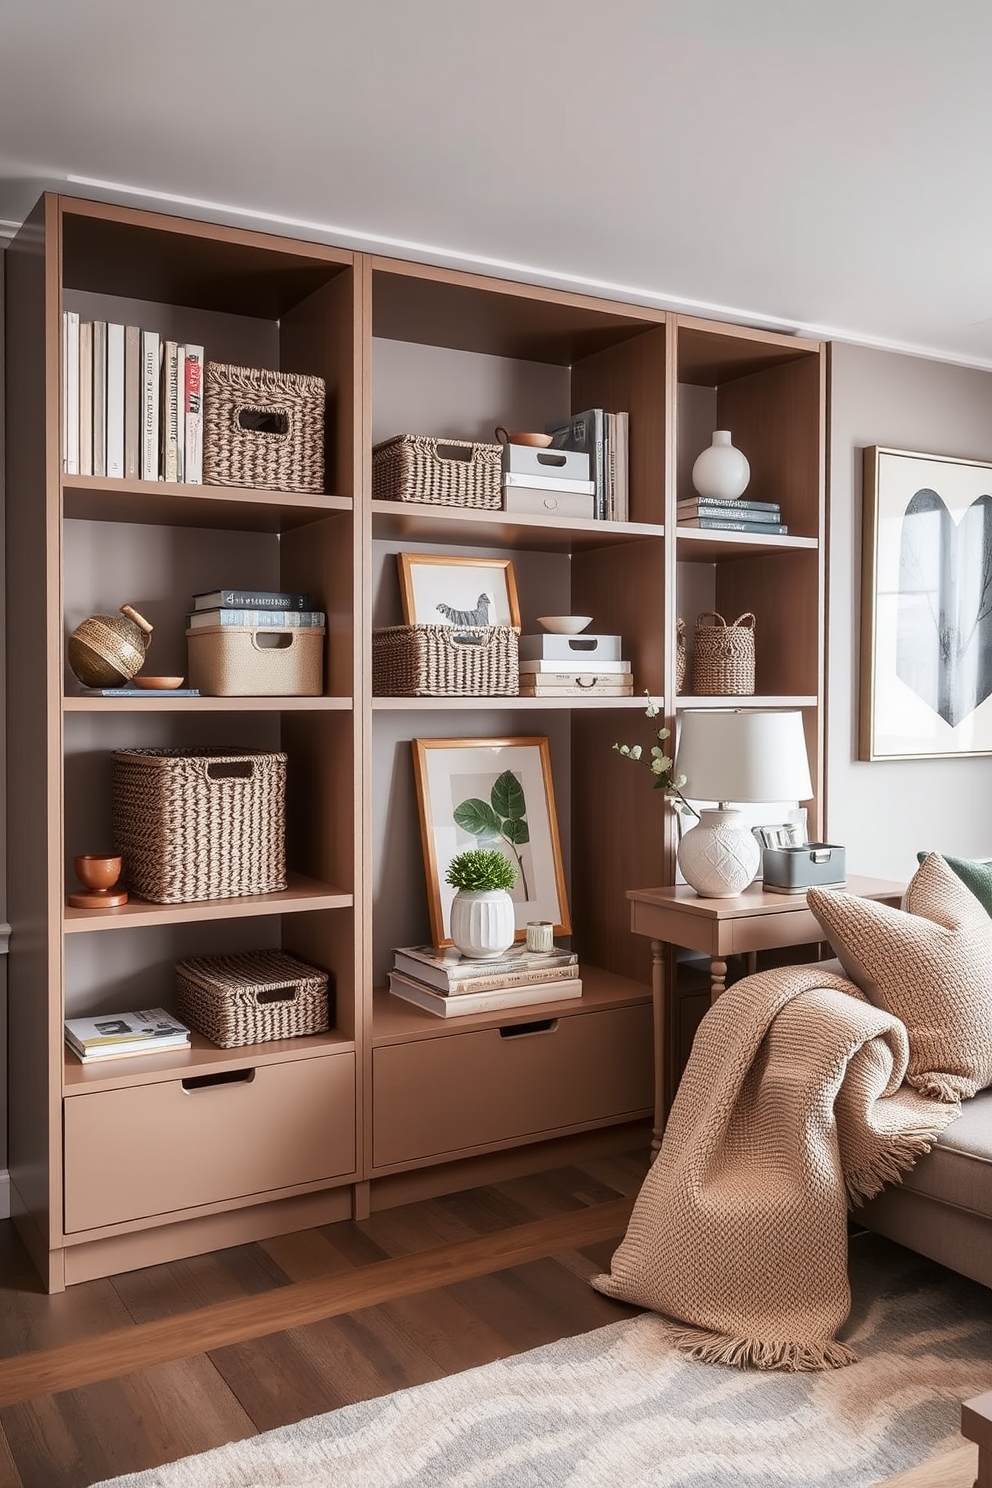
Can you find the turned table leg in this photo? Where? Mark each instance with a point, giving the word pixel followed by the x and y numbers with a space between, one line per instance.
pixel 718 978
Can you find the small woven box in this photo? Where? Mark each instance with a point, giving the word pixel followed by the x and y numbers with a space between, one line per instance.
pixel 445 472
pixel 251 997
pixel 445 661
pixel 200 823
pixel 243 661
pixel 262 429
pixel 723 656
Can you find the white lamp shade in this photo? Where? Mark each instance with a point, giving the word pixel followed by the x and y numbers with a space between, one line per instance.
pixel 743 756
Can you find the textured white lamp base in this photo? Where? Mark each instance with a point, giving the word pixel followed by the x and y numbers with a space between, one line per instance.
pixel 719 856
pixel 483 923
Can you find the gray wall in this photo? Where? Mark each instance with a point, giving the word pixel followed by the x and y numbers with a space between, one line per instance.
pixel 885 811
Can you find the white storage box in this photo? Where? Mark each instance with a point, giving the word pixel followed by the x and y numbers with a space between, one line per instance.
pixel 576 684
pixel 589 649
pixel 534 502
pixel 523 459
pixel 558 668
pixel 236 661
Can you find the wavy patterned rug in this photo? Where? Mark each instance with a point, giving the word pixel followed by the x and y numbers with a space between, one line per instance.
pixel 619 1408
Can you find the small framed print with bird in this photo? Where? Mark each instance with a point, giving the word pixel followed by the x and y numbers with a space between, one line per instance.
pixel 450 589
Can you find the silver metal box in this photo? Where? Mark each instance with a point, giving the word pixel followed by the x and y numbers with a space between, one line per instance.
pixel 793 870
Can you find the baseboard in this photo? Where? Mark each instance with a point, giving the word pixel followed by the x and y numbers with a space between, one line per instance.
pixel 4 1194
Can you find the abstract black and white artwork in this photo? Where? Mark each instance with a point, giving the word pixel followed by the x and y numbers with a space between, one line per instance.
pixel 927 606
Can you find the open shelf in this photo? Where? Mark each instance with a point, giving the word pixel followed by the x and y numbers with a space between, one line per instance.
pixel 207 704
pixel 303 894
pixel 685 701
pixel 201 1058
pixel 407 521
pixel 494 704
pixel 711 546
pixel 165 503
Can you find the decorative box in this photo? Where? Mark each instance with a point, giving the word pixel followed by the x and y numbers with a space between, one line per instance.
pixel 536 502
pixel 576 684
pixel 200 823
pixel 588 649
pixel 523 459
pixel 242 661
pixel 793 870
pixel 262 429
pixel 444 472
pixel 251 997
pixel 444 661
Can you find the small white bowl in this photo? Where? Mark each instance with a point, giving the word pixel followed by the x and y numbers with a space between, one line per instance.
pixel 564 624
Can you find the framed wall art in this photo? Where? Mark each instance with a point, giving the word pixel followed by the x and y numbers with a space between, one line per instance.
pixel 448 589
pixel 491 793
pixel 926 617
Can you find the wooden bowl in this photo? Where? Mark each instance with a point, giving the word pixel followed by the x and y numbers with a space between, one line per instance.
pixel 536 441
pixel 160 684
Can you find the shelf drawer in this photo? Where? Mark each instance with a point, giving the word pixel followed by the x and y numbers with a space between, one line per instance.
pixel 145 1150
pixel 437 1096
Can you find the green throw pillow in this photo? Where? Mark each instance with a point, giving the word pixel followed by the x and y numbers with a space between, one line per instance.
pixel 976 876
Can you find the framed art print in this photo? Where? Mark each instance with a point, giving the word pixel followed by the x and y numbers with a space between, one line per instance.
pixel 494 793
pixel 448 589
pixel 926 617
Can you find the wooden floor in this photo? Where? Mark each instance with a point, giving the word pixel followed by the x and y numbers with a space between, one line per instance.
pixel 136 1370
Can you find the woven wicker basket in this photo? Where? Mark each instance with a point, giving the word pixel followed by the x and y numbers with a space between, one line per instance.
pixel 442 661
pixel 200 823
pixel 262 429
pixel 445 472
pixel 236 661
pixel 679 655
pixel 251 997
pixel 723 656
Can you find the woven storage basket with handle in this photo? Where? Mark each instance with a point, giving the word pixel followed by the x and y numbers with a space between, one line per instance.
pixel 445 661
pixel 723 655
pixel 263 429
pixel 447 472
pixel 199 823
pixel 251 996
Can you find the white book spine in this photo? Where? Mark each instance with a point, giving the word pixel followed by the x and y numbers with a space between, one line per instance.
pixel 86 397
pixel 115 401
pixel 151 358
pixel 99 397
pixel 71 386
pixel 132 403
pixel 194 415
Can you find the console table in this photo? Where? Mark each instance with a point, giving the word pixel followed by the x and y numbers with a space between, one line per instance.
pixel 756 920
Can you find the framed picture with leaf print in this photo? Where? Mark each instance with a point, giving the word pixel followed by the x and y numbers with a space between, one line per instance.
pixel 494 793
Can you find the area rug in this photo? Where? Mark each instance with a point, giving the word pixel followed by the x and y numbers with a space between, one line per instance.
pixel 621 1408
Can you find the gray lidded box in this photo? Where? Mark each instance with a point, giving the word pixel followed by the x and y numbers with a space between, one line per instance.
pixel 523 459
pixel 793 870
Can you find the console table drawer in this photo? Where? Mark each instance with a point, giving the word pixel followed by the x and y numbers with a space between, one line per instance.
pixel 439 1096
pixel 153 1149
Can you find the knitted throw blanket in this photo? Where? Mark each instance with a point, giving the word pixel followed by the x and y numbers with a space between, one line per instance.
pixel 791 1107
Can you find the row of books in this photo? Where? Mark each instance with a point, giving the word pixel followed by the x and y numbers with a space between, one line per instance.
pixel 604 436
pixel 254 609
pixel 446 983
pixel 132 403
pixel 117 1035
pixel 708 513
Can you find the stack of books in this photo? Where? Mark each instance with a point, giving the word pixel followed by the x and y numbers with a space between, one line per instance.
pixel 604 437
pixel 115 1035
pixel 573 666
pixel 254 609
pixel 545 482
pixel 755 517
pixel 132 403
pixel 450 986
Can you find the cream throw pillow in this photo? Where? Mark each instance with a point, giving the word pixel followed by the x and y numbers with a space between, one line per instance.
pixel 930 964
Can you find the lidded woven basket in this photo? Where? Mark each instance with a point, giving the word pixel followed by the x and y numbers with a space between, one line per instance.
pixel 444 472
pixel 263 429
pixel 723 655
pixel 200 823
pixel 251 997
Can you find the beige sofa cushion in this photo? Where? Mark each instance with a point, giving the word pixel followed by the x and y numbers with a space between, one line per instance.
pixel 930 964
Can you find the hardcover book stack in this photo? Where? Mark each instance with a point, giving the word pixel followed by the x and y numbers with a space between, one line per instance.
pixel 603 437
pixel 132 403
pixel 547 482
pixel 248 642
pixel 710 514
pixel 573 666
pixel 445 983
pixel 116 1035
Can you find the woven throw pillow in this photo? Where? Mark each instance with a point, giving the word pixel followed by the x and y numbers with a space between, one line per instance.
pixel 929 964
pixel 976 876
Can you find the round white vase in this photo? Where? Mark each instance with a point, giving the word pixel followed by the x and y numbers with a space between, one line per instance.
pixel 719 856
pixel 721 472
pixel 482 923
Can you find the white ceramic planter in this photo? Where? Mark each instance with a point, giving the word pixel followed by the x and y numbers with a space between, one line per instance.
pixel 721 472
pixel 719 856
pixel 482 923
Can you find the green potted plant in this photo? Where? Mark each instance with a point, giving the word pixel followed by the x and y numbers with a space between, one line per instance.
pixel 482 919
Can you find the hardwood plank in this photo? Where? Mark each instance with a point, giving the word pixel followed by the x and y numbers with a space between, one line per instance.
pixel 199 1281
pixel 233 1321
pixel 9 1476
pixel 953 1469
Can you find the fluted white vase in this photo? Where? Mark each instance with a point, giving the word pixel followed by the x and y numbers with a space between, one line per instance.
pixel 719 856
pixel 721 472
pixel 482 923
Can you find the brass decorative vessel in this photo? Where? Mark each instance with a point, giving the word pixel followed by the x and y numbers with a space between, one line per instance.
pixel 107 650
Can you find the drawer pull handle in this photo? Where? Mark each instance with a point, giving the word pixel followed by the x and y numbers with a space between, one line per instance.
pixel 522 1030
pixel 225 1077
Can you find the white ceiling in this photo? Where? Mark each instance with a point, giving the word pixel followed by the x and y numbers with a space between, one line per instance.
pixel 823 164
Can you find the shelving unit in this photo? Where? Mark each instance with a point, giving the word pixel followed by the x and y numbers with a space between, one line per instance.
pixel 312 1129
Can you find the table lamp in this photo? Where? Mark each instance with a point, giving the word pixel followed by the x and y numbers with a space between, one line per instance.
pixel 735 756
